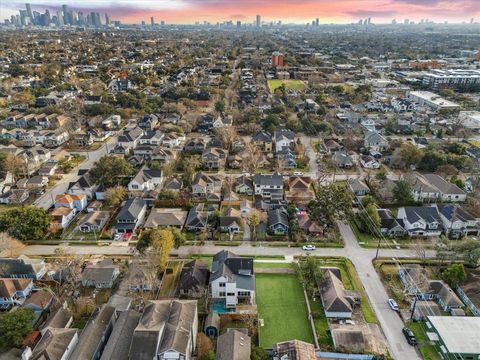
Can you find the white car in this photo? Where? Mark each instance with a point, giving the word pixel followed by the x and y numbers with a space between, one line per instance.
pixel 117 237
pixel 309 247
pixel 298 173
pixel 393 304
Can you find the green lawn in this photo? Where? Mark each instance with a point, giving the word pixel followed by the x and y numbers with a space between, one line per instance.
pixel 289 84
pixel 321 325
pixel 272 265
pixel 429 352
pixel 281 306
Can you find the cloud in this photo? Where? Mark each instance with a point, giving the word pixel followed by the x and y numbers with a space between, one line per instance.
pixel 372 13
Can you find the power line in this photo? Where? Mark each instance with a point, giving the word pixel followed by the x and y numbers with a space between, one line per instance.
pixel 371 225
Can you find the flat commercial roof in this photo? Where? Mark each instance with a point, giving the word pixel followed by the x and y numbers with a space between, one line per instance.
pixel 460 334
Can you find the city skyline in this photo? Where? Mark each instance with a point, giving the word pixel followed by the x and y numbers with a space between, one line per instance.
pixel 287 11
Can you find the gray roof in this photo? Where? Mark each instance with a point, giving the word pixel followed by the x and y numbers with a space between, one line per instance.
pixel 234 268
pixel 58 319
pixel 19 266
pixel 197 218
pixel 99 273
pixel 333 293
pixel 166 217
pixel 93 333
pixel 269 179
pixel 194 276
pixel 164 325
pixel 278 216
pixel 132 209
pixel 442 185
pixel 233 345
pixel 119 342
pixel 428 213
pixel 53 344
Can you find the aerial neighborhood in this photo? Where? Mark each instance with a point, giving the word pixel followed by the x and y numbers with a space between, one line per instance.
pixel 238 191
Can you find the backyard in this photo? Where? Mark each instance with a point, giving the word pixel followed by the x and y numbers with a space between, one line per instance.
pixel 282 309
pixel 289 84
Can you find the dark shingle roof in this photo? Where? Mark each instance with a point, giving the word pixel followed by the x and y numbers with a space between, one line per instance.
pixel 132 209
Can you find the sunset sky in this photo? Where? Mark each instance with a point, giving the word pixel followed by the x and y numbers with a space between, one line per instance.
pixel 300 11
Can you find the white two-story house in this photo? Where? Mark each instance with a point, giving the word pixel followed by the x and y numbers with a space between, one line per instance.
pixel 146 179
pixel 269 186
pixel 232 279
pixel 457 222
pixel 421 221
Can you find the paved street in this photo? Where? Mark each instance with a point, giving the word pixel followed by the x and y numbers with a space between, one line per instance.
pixel 46 200
pixel 361 258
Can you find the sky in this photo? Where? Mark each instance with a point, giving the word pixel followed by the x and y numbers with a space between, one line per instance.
pixel 300 11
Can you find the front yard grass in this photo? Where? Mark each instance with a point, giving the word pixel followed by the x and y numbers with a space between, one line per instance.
pixel 429 352
pixel 274 84
pixel 281 306
pixel 321 325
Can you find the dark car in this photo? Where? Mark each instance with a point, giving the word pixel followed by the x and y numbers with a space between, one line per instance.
pixel 410 336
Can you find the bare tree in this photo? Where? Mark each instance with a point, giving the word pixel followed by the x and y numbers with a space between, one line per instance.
pixel 252 157
pixel 227 135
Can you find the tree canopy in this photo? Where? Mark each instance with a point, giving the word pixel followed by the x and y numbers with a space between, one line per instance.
pixel 111 171
pixel 332 202
pixel 14 326
pixel 25 223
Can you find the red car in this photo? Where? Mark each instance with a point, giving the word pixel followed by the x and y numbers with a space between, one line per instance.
pixel 127 236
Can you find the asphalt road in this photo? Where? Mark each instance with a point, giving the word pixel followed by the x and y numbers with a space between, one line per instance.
pixel 46 200
pixel 362 259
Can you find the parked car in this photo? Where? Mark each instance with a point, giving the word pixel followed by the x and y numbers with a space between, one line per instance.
pixel 393 304
pixel 309 247
pixel 298 173
pixel 127 236
pixel 346 322
pixel 117 237
pixel 410 336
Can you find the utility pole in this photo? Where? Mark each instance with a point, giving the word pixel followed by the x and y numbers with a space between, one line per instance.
pixel 378 248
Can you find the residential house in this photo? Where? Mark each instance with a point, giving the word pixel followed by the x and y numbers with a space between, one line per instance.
pixel 299 190
pixel 204 184
pixel 231 222
pixel 194 279
pixel 55 343
pixel 130 138
pixel 195 145
pixel 40 301
pixel 306 224
pixel 118 344
pixel 263 140
pixel 83 186
pixel 62 217
pixel 148 122
pixel 167 330
pixel 457 222
pixel 331 146
pixel 222 122
pixel 131 215
pixel 34 183
pixel 244 185
pixel 214 158
pixel 100 275
pixel 173 140
pixel 152 137
pixel 117 85
pixel 94 221
pixel 232 279
pixel 14 291
pixel 48 168
pixel 369 162
pixel 343 160
pixel 284 139
pixel 22 267
pixel 95 334
pixel 166 218
pixel 448 192
pixel 294 350
pixel 421 221
pixel 197 218
pixel 278 221
pixel 14 196
pixel 174 184
pixel 416 283
pixel 71 201
pixel 389 225
pixel 235 344
pixel 163 155
pixel 56 138
pixel 375 141
pixel 358 187
pixel 269 186
pixel 287 158
pixel 146 179
pixel 337 302
pixel 456 336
